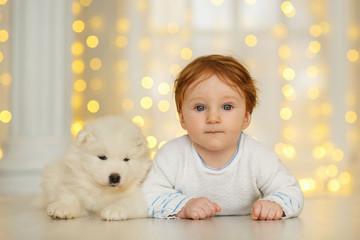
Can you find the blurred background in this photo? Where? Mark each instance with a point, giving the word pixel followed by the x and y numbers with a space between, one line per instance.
pixel 64 62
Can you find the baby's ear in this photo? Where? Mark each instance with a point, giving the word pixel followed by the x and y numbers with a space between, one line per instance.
pixel 84 137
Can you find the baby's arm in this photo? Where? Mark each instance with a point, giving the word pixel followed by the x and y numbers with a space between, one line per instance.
pixel 278 187
pixel 199 208
pixel 163 200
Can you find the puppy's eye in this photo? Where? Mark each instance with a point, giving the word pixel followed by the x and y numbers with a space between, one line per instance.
pixel 102 157
pixel 126 159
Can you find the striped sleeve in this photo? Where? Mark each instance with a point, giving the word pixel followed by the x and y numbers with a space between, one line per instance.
pixel 167 205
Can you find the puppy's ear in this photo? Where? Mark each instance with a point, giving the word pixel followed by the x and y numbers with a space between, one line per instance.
pixel 84 137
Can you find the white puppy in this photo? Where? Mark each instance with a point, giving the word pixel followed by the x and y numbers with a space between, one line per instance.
pixel 101 173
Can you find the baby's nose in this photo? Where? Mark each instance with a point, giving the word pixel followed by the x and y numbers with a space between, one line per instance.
pixel 213 117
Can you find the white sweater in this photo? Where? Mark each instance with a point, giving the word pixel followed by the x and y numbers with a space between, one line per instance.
pixel 179 174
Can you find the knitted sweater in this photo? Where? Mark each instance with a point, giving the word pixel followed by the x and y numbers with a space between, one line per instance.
pixel 255 172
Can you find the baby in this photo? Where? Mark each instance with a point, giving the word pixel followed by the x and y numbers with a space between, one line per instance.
pixel 216 169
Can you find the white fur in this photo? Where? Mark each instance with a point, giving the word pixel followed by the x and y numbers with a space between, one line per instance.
pixel 79 183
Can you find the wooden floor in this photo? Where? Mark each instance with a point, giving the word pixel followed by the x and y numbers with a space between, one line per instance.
pixel 322 218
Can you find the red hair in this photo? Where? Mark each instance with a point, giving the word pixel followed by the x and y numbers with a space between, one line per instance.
pixel 226 68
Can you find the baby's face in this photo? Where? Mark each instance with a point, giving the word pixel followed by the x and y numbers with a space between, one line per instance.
pixel 214 115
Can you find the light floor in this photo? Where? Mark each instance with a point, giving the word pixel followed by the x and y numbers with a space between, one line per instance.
pixel 322 218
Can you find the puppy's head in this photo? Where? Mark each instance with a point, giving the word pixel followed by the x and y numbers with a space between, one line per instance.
pixel 112 152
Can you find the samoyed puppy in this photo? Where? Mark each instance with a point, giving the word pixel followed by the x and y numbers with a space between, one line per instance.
pixel 101 173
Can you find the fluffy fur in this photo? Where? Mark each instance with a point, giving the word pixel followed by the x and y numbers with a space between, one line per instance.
pixel 101 173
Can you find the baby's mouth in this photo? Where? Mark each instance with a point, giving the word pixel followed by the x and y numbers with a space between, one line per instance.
pixel 213 132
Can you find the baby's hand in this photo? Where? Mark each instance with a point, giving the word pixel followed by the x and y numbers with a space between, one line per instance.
pixel 266 210
pixel 199 208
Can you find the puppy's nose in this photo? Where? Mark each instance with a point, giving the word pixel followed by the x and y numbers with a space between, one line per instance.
pixel 114 178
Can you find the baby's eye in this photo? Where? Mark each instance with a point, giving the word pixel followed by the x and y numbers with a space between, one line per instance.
pixel 227 107
pixel 200 108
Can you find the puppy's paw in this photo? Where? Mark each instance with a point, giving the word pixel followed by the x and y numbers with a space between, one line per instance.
pixel 59 210
pixel 113 214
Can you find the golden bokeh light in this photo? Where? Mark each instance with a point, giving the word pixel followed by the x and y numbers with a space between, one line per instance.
pixel 145 44
pixel 151 141
pixel 5 116
pixel 173 27
pixel 78 26
pixel 250 2
pixel 338 155
pixel 284 52
pixel 186 53
pixel 122 66
pixel 121 41
pixel 93 106
pixel 313 93
pixel 289 133
pixel 280 31
pixel 127 104
pixel 147 82
pixel 352 55
pixel 312 71
pixel 76 8
pixel 288 9
pixel 76 127
pixel 217 2
pixel 307 184
pixel 289 151
pixel 286 113
pixel 334 185
pixel 95 64
pixel 353 32
pixel 85 3
pixel 3 2
pixel 76 101
pixel 315 30
pixel 345 178
pixel 79 85
pixel 92 41
pixel 319 152
pixel 123 25
pixel 164 106
pixel 320 131
pixel 174 69
pixel 1 57
pixel 4 35
pixel 1 154
pixel 350 117
pixel 146 102
pixel 5 79
pixel 139 121
pixel 78 66
pixel 332 170
pixel 96 22
pixel 314 47
pixel 288 74
pixel 162 143
pixel 289 92
pixel 164 88
pixel 77 48
pixel 251 40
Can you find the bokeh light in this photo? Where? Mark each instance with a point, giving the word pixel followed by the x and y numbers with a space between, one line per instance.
pixel 146 102
pixel 93 106
pixel 5 116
